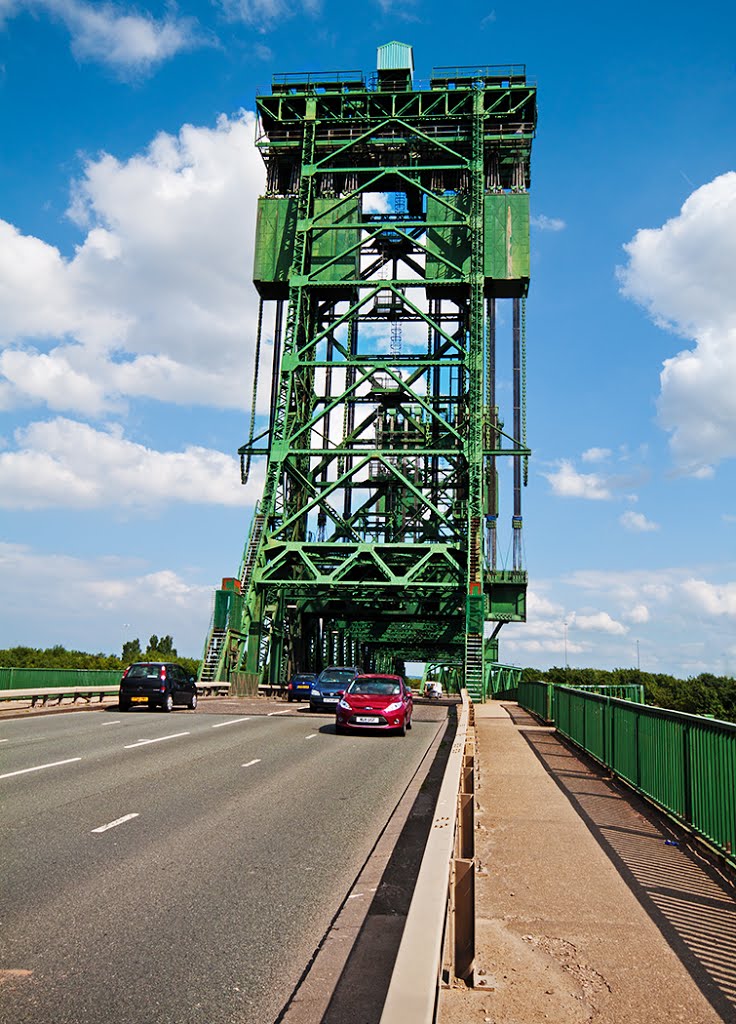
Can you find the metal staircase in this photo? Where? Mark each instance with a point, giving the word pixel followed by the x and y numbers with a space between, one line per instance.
pixel 212 655
pixel 474 665
pixel 251 553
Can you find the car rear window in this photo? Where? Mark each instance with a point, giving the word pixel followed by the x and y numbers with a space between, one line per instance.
pixel 144 672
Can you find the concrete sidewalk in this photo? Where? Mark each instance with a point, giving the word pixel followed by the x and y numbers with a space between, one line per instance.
pixel 585 912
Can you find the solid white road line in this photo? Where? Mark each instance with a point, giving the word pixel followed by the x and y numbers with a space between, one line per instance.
pixel 114 824
pixel 160 739
pixel 39 767
pixel 3 741
pixel 255 760
pixel 116 722
pixel 272 713
pixel 233 721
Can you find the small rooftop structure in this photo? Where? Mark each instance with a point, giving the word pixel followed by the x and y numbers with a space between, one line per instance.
pixel 395 66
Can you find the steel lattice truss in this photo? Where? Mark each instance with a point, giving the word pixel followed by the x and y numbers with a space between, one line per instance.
pixel 392 223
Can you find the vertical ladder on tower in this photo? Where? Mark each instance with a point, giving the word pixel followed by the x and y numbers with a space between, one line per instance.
pixel 251 552
pixel 474 665
pixel 474 549
pixel 474 616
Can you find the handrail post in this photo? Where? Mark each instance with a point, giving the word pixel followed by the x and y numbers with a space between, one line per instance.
pixel 687 806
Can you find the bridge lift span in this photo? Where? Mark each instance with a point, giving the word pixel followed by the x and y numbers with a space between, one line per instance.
pixel 394 221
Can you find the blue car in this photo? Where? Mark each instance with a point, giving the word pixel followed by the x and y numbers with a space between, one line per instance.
pixel 330 686
pixel 300 686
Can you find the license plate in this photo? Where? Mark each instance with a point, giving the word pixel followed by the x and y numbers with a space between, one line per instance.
pixel 139 700
pixel 367 720
pixel 330 700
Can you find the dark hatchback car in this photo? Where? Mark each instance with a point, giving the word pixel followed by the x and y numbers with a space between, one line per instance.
pixel 300 686
pixel 157 684
pixel 330 686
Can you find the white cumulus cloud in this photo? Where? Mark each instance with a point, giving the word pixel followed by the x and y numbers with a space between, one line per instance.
pixel 156 301
pixel 540 607
pixel 637 522
pixel 711 599
pixel 111 34
pixel 682 273
pixel 596 454
pixel 164 585
pixel 567 482
pixel 600 622
pixel 639 614
pixel 63 463
pixel 545 223
pixel 99 596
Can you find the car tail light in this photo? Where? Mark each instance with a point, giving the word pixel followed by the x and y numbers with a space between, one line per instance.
pixel 290 686
pixel 162 674
pixel 126 671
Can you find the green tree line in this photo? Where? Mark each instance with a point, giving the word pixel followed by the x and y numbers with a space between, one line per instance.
pixel 157 649
pixel 706 694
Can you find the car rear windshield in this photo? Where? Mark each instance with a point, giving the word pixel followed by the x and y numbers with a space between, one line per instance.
pixel 375 687
pixel 144 672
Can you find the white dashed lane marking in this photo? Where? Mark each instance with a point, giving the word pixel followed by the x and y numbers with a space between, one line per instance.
pixel 159 739
pixel 40 767
pixel 114 824
pixel 233 721
pixel 256 760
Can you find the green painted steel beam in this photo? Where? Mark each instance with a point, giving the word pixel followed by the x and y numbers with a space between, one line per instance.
pixel 369 539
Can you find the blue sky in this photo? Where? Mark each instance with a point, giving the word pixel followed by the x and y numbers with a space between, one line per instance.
pixel 128 180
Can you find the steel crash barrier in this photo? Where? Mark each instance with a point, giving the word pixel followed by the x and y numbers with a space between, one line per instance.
pixel 685 764
pixel 439 934
pixel 50 678
pixel 57 694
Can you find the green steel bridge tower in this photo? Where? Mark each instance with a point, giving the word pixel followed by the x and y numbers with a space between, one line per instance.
pixel 395 220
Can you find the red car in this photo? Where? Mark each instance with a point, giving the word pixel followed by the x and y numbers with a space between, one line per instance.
pixel 375 701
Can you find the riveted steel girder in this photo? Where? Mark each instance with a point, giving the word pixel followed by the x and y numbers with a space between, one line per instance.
pixel 393 221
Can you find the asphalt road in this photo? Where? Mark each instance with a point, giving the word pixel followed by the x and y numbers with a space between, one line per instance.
pixel 179 868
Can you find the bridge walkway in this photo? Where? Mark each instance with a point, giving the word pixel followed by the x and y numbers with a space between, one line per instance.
pixel 590 906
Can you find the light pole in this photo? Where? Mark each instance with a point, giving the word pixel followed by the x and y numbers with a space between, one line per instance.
pixel 638 664
pixel 565 638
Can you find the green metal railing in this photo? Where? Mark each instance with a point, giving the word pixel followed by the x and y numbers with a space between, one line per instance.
pixel 502 681
pixel 686 764
pixel 539 697
pixel 35 678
